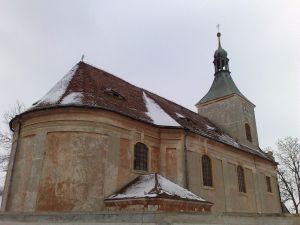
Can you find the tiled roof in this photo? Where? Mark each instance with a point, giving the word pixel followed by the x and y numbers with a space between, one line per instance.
pixel 154 186
pixel 88 86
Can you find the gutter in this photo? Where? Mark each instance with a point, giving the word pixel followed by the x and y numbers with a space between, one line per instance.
pixel 279 193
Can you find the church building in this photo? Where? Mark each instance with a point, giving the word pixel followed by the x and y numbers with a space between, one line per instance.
pixel 97 143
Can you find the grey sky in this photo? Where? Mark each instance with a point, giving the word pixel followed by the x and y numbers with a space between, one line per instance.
pixel 163 46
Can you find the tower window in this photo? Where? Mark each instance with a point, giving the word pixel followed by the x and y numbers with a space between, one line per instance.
pixel 223 64
pixel 248 132
pixel 241 179
pixel 140 157
pixel 268 181
pixel 206 171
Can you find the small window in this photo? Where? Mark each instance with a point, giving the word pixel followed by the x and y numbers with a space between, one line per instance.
pixel 268 181
pixel 241 179
pixel 248 132
pixel 114 93
pixel 140 157
pixel 206 171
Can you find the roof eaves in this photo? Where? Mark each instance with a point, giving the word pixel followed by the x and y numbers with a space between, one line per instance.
pixel 223 97
pixel 172 197
pixel 132 117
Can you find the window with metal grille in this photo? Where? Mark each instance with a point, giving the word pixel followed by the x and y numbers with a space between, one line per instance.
pixel 140 157
pixel 268 181
pixel 248 132
pixel 241 179
pixel 206 171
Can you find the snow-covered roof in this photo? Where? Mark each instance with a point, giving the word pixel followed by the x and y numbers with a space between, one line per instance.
pixel 154 186
pixel 59 89
pixel 88 86
pixel 157 114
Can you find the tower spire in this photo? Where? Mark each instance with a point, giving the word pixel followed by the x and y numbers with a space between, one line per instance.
pixel 220 56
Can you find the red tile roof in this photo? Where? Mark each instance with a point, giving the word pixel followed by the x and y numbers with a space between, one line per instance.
pixel 88 86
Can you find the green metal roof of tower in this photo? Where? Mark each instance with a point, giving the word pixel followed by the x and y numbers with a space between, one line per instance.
pixel 223 83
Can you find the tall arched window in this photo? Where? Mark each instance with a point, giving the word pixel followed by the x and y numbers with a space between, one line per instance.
pixel 206 171
pixel 248 132
pixel 140 157
pixel 241 179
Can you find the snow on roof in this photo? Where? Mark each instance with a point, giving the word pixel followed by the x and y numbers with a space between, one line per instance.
pixel 72 98
pixel 179 115
pixel 210 127
pixel 154 185
pixel 59 88
pixel 229 140
pixel 157 114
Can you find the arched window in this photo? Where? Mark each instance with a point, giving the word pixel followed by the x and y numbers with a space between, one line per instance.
pixel 248 132
pixel 241 179
pixel 140 157
pixel 206 171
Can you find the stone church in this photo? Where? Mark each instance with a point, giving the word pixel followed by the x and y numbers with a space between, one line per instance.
pixel 96 143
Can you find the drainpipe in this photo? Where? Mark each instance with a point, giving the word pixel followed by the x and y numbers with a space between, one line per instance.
pixel 256 186
pixel 278 189
pixel 186 131
pixel 8 178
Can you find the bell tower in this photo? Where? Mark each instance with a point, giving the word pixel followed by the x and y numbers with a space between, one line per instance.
pixel 226 106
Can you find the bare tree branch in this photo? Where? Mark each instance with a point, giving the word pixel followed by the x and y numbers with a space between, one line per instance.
pixel 6 135
pixel 288 156
pixel 14 110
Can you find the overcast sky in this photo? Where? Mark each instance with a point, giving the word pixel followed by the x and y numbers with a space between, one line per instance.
pixel 164 46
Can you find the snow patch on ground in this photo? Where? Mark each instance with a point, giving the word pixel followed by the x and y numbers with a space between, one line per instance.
pixel 145 187
pixel 73 98
pixel 59 89
pixel 157 114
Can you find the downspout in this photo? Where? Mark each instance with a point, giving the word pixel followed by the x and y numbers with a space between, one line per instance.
pixel 8 178
pixel 256 186
pixel 278 189
pixel 186 131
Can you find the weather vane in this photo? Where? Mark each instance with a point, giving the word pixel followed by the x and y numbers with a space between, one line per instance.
pixel 82 57
pixel 218 26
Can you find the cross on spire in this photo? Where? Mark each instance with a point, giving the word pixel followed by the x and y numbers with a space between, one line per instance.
pixel 219 35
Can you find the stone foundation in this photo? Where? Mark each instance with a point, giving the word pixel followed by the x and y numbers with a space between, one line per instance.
pixel 148 218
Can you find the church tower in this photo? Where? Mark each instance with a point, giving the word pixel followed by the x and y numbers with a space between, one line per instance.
pixel 226 106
